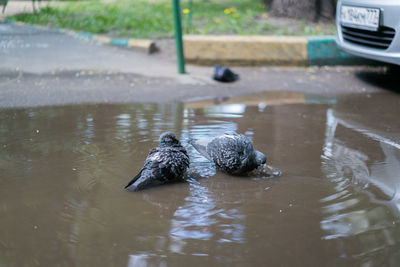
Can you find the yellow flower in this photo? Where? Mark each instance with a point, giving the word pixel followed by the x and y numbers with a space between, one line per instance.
pixel 264 15
pixel 186 11
pixel 217 20
pixel 318 28
pixel 227 11
pixel 233 10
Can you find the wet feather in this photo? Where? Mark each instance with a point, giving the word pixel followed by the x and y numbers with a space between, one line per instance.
pixel 232 153
pixel 165 163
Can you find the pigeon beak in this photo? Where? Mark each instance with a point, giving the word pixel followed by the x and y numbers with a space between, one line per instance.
pixel 272 172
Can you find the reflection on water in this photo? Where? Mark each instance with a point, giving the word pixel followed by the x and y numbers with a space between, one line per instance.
pixel 357 160
pixel 63 169
pixel 201 218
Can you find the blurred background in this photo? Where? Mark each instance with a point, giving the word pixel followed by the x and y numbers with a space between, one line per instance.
pixel 154 18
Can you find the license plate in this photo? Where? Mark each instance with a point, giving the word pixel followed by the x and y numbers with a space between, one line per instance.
pixel 360 17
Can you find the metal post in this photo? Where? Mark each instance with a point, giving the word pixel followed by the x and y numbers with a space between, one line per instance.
pixel 4 5
pixel 178 36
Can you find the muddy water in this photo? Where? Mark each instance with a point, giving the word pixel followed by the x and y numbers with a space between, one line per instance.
pixel 63 169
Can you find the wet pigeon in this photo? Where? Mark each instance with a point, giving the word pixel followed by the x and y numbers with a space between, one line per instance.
pixel 224 74
pixel 165 163
pixel 232 153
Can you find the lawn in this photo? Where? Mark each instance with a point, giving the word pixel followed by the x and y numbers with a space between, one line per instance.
pixel 154 19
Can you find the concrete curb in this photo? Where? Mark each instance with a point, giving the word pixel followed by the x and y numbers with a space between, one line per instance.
pixel 145 45
pixel 266 50
pixel 323 50
pixel 236 50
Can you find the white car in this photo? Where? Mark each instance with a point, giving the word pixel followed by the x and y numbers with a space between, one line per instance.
pixel 369 28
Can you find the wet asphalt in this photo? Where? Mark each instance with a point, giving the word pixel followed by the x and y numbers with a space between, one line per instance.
pixel 40 67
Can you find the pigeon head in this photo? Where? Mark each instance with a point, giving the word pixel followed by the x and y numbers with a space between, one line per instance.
pixel 168 139
pixel 260 158
pixel 253 158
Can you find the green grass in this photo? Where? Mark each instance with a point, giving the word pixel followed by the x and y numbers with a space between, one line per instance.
pixel 144 19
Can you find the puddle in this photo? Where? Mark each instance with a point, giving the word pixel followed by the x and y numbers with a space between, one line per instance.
pixel 63 169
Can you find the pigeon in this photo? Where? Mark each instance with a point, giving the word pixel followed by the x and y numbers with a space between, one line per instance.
pixel 165 163
pixel 232 153
pixel 224 74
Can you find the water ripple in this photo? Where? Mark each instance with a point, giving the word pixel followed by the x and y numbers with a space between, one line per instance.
pixel 364 205
pixel 201 215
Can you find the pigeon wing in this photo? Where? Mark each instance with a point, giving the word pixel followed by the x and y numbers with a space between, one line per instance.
pixel 134 180
pixel 147 173
pixel 201 149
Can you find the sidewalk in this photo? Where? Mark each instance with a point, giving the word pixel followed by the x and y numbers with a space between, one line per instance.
pixel 232 49
pixel 15 7
pixel 48 67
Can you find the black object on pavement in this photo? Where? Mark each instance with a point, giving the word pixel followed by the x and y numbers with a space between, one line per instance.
pixel 224 74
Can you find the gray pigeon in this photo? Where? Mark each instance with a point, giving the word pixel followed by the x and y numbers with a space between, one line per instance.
pixel 165 163
pixel 232 153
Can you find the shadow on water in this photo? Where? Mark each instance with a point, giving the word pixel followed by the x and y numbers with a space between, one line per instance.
pixel 63 169
pixel 386 77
